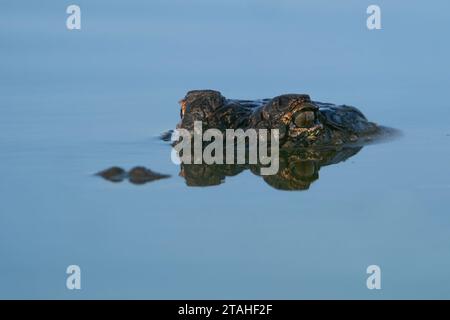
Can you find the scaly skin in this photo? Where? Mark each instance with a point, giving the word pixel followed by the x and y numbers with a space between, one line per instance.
pixel 301 122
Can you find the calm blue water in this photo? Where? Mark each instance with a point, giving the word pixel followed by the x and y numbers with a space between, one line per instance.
pixel 75 102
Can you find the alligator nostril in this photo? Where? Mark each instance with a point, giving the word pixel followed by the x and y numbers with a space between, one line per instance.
pixel 304 119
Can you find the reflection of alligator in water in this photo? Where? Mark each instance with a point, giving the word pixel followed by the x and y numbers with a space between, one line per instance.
pixel 296 172
pixel 297 169
pixel 137 175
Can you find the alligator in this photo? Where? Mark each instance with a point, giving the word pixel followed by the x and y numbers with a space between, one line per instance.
pixel 301 121
pixel 312 134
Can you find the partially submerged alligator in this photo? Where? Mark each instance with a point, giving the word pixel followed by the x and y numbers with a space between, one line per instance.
pixel 301 122
pixel 312 134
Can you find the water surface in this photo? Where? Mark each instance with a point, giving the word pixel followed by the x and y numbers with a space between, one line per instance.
pixel 75 102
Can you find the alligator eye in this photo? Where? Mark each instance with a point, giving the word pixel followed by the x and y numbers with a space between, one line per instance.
pixel 304 119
